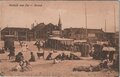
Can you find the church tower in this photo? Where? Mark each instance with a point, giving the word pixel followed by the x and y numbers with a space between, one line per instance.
pixel 59 24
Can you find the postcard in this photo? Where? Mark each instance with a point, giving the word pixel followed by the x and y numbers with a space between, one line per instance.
pixel 59 38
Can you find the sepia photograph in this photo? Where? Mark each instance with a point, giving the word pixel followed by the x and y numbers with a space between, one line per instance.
pixel 59 38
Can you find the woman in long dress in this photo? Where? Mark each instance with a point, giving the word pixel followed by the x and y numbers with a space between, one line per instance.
pixel 24 47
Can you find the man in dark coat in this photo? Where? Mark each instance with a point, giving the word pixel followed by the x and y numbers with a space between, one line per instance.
pixel 38 45
pixel 12 52
pixel 19 57
pixel 32 59
pixel 49 57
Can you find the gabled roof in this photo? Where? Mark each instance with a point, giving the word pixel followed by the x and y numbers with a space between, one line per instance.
pixel 43 26
pixel 110 32
pixel 39 26
pixel 95 30
pixel 53 26
pixel 15 28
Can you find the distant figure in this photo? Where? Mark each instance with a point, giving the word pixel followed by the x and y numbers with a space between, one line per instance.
pixel 21 43
pixel 16 68
pixel 40 54
pixel 105 64
pixel 87 50
pixel 73 57
pixel 63 56
pixel 25 65
pixel 12 52
pixel 24 47
pixel 19 57
pixel 2 50
pixel 49 57
pixel 105 52
pixel 55 61
pixel 97 54
pixel 111 54
pixel 39 44
pixel 32 59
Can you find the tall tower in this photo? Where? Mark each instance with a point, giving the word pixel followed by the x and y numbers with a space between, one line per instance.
pixel 59 23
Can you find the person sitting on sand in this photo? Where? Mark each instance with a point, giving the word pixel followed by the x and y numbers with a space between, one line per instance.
pixel 25 65
pixel 19 57
pixel 49 57
pixel 63 56
pixel 21 43
pixel 55 61
pixel 32 59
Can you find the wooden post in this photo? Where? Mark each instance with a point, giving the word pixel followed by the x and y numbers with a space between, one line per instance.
pixel 115 24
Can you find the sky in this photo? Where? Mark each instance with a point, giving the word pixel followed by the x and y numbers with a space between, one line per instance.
pixel 72 14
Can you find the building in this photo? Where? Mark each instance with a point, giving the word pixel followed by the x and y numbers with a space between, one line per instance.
pixel 110 35
pixel 39 31
pixel 43 31
pixel 82 33
pixel 95 34
pixel 74 33
pixel 113 38
pixel 18 33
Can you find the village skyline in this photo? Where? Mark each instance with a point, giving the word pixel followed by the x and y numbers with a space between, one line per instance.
pixel 72 14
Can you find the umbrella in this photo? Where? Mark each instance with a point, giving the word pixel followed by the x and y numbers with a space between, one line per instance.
pixel 109 49
pixel 105 49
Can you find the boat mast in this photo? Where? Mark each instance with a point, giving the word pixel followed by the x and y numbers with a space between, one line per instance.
pixel 86 21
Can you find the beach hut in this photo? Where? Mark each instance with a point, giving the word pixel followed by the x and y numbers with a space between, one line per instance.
pixel 58 43
pixel 8 41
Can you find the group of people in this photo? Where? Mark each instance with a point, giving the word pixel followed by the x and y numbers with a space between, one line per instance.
pixel 20 57
pixel 93 68
pixel 84 48
pixel 23 65
pixel 24 47
pixel 105 51
pixel 11 49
